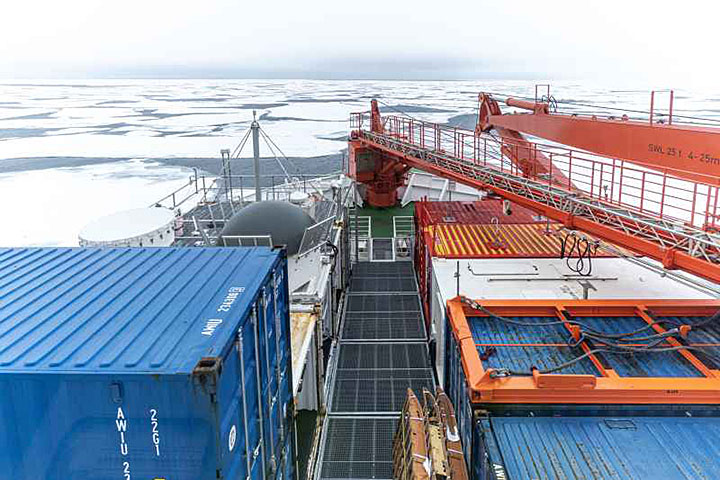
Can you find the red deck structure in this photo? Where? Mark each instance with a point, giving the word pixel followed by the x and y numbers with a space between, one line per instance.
pixel 668 212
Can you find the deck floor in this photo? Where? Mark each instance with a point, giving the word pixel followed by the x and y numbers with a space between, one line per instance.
pixel 382 353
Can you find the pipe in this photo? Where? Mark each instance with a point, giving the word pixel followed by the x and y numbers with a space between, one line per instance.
pixel 525 105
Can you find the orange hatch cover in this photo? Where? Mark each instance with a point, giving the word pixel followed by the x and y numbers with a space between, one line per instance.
pixel 679 367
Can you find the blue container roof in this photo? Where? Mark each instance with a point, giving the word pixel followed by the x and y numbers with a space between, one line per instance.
pixel 126 310
pixel 516 347
pixel 599 447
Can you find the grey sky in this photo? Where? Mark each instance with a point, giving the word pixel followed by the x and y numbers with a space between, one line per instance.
pixel 621 41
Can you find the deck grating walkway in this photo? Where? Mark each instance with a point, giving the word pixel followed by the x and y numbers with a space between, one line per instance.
pixel 382 352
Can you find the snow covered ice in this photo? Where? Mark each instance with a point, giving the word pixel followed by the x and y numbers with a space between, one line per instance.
pixel 71 151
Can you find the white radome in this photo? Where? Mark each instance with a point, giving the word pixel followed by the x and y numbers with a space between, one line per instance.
pixel 298 197
pixel 139 227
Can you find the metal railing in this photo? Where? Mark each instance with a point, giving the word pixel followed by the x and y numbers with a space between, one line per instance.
pixel 612 181
pixel 247 240
pixel 671 220
pixel 403 226
pixel 203 189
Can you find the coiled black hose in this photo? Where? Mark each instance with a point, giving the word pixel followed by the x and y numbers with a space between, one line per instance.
pixel 585 251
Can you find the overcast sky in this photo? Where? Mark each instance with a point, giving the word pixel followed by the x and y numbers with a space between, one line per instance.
pixel 622 41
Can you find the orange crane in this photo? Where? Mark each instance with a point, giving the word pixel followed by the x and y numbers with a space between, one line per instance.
pixel 650 188
pixel 688 151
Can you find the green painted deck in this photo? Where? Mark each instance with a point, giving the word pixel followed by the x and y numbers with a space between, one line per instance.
pixel 382 218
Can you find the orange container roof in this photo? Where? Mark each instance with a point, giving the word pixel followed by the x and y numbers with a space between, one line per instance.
pixel 485 211
pixel 482 241
pixel 545 351
pixel 481 230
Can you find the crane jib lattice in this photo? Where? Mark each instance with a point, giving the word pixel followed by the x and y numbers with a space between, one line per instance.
pixel 629 206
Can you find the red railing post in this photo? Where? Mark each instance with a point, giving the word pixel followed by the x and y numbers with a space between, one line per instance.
pixel 707 206
pixel 642 191
pixel 475 149
pixel 662 195
pixel 652 105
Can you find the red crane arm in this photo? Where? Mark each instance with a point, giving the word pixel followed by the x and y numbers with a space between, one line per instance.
pixel 688 152
pixel 519 150
pixel 654 213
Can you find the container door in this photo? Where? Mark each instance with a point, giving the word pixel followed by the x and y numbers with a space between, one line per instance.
pixel 275 355
pixel 269 376
pixel 241 442
pixel 284 370
pixel 263 395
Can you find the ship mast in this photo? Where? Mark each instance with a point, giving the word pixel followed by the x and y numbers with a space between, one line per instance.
pixel 255 128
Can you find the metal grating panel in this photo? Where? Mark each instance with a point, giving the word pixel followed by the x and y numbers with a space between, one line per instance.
pixel 383 303
pixel 316 234
pixel 324 209
pixel 382 248
pixel 369 269
pixel 382 285
pixel 400 325
pixel 358 448
pixel 377 391
pixel 383 355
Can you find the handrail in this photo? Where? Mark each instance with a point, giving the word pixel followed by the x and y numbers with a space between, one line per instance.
pixel 672 220
pixel 204 186
pixel 612 181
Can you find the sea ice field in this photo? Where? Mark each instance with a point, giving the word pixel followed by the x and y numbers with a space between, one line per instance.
pixel 71 151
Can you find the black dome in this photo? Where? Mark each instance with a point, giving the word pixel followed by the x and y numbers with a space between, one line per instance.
pixel 284 222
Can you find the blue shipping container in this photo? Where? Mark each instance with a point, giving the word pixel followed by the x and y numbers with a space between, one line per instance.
pixel 581 448
pixel 578 442
pixel 145 364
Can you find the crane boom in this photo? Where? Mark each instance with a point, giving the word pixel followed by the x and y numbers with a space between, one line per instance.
pixel 688 151
pixel 670 219
pixel 517 148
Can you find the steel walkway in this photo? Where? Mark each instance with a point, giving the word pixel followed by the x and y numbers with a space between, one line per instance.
pixel 382 351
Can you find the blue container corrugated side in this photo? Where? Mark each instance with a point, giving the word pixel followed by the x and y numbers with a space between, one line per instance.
pixel 576 442
pixel 145 364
